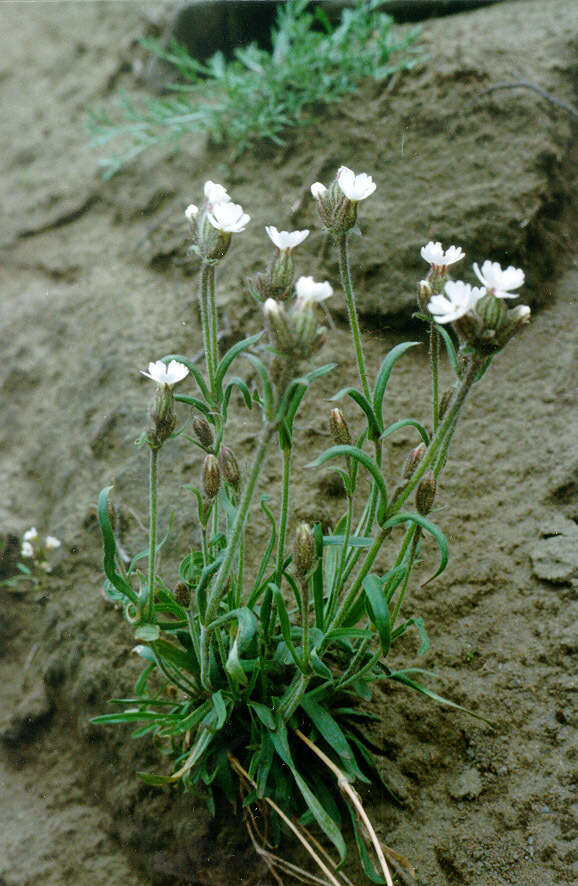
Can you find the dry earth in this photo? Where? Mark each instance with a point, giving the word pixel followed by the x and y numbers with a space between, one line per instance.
pixel 96 283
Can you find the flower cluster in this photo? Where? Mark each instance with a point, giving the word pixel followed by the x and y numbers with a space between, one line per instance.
pixel 337 205
pixel 478 313
pixel 213 224
pixel 39 551
pixel 162 410
pixel 295 333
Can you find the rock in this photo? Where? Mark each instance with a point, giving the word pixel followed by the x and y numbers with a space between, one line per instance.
pixel 31 714
pixel 466 786
pixel 555 558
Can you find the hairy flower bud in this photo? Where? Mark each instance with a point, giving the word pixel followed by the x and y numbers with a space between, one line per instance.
pixel 424 294
pixel 211 476
pixel 182 594
pixel 163 416
pixel 230 467
pixel 491 311
pixel 203 431
pixel 425 493
pixel 278 326
pixel 413 460
pixel 304 552
pixel 445 401
pixel 338 428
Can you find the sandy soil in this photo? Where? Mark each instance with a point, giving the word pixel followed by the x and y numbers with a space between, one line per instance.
pixel 96 283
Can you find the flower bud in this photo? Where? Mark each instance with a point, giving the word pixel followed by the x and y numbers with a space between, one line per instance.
pixel 164 419
pixel 203 431
pixel 338 428
pixel 182 594
pixel 230 467
pixel 304 552
pixel 281 274
pixel 278 326
pixel 515 319
pixel 412 461
pixel 425 493
pixel 424 294
pixel 491 311
pixel 211 476
pixel 445 401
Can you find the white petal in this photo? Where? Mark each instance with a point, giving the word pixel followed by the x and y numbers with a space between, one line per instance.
pixel 286 239
pixel 318 190
pixel 52 543
pixel 309 290
pixel 191 212
pixel 228 217
pixel 355 187
pixel 30 534
pixel 215 193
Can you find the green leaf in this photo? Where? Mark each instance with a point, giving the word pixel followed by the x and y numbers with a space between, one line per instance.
pixel 267 389
pixel 400 677
pixel 286 626
pixel 378 610
pixel 407 423
pixel 332 733
pixel 109 544
pixel 417 621
pixel 323 819
pixel 373 426
pixel 220 709
pixel 264 713
pixel 147 633
pixel 367 864
pixel 383 377
pixel 354 541
pixel 317 584
pixel 362 457
pixel 237 382
pixel 430 527
pixel 233 352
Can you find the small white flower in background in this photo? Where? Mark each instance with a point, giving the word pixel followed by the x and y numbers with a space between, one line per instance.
pixel 355 187
pixel 434 255
pixel 458 300
pixel 318 190
pixel 30 534
pixel 52 543
pixel 27 550
pixel 309 290
pixel 499 281
pixel 285 240
pixel 228 217
pixel 165 374
pixel 215 193
pixel 191 212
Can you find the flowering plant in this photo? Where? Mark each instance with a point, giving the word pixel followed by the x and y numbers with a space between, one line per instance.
pixel 253 666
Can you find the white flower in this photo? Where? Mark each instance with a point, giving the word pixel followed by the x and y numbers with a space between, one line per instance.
pixel 215 193
pixel 191 212
pixel 30 534
pixel 318 190
pixel 498 281
pixel 166 375
pixel 52 543
pixel 286 240
pixel 355 187
pixel 228 217
pixel 434 254
pixel 458 300
pixel 309 290
pixel 27 550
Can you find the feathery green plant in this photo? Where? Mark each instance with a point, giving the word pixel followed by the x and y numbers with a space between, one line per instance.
pixel 259 94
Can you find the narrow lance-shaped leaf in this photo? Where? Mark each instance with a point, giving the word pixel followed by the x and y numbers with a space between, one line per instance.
pixel 383 377
pixel 110 549
pixel 430 527
pixel 363 458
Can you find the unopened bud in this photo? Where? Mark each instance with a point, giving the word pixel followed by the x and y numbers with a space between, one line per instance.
pixel 230 467
pixel 211 476
pixel 182 594
pixel 164 419
pixel 424 294
pixel 412 461
pixel 338 428
pixel 281 274
pixel 445 402
pixel 203 431
pixel 425 493
pixel 278 326
pixel 491 311
pixel 304 553
pixel 515 319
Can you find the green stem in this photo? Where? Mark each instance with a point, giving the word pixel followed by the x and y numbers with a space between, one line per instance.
pixel 416 535
pixel 286 455
pixel 206 324
pixel 352 312
pixel 213 322
pixel 305 623
pixel 153 484
pixel 238 525
pixel 434 350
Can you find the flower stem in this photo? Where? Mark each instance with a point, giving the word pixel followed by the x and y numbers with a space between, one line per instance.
pixel 153 484
pixel 352 312
pixel 434 350
pixel 207 324
pixel 286 455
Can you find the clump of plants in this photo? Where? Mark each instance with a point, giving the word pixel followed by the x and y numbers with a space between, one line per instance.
pixel 256 662
pixel 259 94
